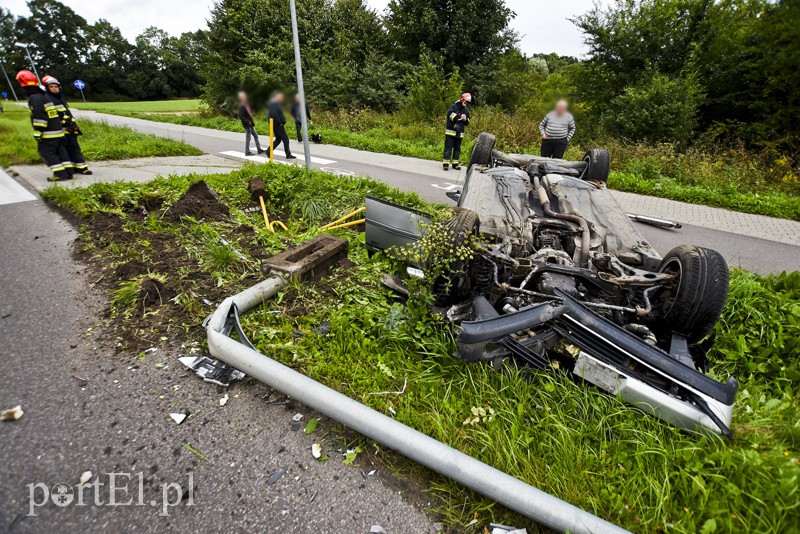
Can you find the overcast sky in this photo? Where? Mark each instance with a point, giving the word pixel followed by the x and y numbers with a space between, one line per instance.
pixel 543 26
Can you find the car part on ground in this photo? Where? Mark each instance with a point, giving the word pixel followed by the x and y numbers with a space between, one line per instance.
pixel 561 277
pixel 654 221
pixel 484 479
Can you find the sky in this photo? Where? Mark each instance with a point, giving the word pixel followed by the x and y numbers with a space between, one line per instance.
pixel 543 25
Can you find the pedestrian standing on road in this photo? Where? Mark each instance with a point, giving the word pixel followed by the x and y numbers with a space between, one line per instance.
pixel 246 117
pixel 455 125
pixel 279 124
pixel 71 128
pixel 298 117
pixel 557 128
pixel 47 129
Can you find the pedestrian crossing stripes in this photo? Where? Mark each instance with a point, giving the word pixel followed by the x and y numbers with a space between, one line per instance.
pixel 11 192
pixel 265 159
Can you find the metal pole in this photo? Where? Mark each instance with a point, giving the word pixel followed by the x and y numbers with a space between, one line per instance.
pixel 30 58
pixel 300 91
pixel 83 96
pixel 13 92
pixel 484 479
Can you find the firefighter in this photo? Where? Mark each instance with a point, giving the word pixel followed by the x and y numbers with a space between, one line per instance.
pixel 71 128
pixel 457 120
pixel 47 129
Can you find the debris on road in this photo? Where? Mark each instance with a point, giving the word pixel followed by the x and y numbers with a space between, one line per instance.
pixel 377 529
pixel 311 426
pixel 276 476
pixel 178 417
pixel 297 417
pixel 502 529
pixel 12 414
pixel 212 370
pixel 316 450
pixel 224 400
pixel 86 476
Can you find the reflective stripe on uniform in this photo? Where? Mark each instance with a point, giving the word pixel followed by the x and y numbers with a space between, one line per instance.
pixel 81 166
pixel 450 132
pixel 453 116
pixel 39 122
pixel 53 134
pixel 57 167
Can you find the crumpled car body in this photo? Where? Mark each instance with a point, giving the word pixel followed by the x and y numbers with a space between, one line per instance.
pixel 561 278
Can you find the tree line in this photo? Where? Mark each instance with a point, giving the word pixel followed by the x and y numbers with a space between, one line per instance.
pixel 677 71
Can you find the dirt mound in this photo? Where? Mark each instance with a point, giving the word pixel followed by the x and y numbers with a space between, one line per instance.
pixel 130 269
pixel 199 201
pixel 152 292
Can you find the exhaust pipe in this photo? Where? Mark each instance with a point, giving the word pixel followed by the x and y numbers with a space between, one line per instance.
pixel 466 470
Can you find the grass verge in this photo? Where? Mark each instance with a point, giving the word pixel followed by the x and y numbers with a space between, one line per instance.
pixel 732 179
pixel 570 440
pixel 153 106
pixel 99 142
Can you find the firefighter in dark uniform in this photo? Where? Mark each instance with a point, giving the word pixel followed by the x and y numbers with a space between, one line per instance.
pixel 457 120
pixel 278 124
pixel 47 129
pixel 71 128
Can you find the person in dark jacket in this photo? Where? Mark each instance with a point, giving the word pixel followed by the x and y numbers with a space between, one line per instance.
pixel 71 128
pixel 245 115
pixel 457 121
pixel 298 124
pixel 47 129
pixel 279 124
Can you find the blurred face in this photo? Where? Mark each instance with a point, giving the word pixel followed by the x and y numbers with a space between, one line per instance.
pixel 561 107
pixel 242 96
pixel 279 98
pixel 54 88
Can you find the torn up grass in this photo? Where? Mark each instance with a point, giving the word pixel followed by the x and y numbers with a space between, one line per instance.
pixel 99 141
pixel 570 440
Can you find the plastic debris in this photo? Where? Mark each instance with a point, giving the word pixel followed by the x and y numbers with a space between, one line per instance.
pixel 12 414
pixel 376 529
pixel 296 417
pixel 276 476
pixel 224 400
pixel 86 476
pixel 405 385
pixel 212 370
pixel 178 417
pixel 502 529
pixel 316 450
pixel 323 329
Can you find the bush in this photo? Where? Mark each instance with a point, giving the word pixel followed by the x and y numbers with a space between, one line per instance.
pixel 659 109
pixel 430 90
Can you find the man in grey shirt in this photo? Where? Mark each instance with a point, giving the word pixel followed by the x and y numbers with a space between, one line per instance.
pixel 557 128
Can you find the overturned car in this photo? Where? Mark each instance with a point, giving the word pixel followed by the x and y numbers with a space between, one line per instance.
pixel 560 277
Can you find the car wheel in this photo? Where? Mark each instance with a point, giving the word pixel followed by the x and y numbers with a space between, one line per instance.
pixel 451 288
pixel 482 151
pixel 598 165
pixel 694 304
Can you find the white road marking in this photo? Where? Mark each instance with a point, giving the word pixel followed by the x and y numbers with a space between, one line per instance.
pixel 262 159
pixel 11 192
pixel 447 186
pixel 337 172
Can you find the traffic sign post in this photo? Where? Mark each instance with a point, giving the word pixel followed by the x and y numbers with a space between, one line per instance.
pixel 80 85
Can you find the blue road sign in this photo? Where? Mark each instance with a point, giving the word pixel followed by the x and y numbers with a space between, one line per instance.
pixel 79 84
pixel 5 95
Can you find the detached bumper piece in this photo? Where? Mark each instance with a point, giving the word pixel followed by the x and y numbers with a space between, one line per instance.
pixel 609 357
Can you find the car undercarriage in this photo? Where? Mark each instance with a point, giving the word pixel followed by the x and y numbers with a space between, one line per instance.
pixel 559 277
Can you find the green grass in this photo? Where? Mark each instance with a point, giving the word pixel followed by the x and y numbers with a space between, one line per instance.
pixel 570 440
pixel 100 142
pixel 732 179
pixel 156 106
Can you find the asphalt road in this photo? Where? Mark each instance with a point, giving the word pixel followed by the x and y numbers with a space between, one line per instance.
pixel 431 183
pixel 89 408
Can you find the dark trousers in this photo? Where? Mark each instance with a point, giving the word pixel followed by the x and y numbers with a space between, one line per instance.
pixel 452 149
pixel 554 148
pixel 248 132
pixel 74 151
pixel 281 137
pixel 299 127
pixel 54 155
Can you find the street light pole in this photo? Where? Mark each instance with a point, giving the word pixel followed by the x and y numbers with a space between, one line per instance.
pixel 11 85
pixel 30 58
pixel 300 91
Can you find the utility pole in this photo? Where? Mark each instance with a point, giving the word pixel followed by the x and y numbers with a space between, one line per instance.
pixel 11 85
pixel 30 58
pixel 300 91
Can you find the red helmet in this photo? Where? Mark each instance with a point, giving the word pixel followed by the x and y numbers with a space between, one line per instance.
pixel 27 78
pixel 47 80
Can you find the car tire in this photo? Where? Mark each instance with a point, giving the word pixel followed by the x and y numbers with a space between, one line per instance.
pixel 482 151
pixel 461 228
pixel 598 165
pixel 693 307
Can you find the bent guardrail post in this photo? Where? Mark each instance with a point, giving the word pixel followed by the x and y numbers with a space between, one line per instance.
pixel 478 476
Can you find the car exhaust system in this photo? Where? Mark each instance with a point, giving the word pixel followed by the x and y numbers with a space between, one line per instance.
pixel 466 470
pixel 586 236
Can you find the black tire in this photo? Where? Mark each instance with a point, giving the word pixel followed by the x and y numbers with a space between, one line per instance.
pixel 598 165
pixel 694 305
pixel 465 225
pixel 482 151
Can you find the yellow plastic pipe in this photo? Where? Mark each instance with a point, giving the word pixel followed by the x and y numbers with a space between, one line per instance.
pixel 277 223
pixel 337 221
pixel 345 225
pixel 271 137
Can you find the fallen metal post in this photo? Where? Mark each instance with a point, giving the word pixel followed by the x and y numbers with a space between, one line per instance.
pixel 466 470
pixel 654 221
